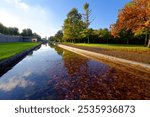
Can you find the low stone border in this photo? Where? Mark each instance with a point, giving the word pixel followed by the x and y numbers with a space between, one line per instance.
pixel 98 56
pixel 7 64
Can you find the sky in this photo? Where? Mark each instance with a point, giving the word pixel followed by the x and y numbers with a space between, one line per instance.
pixel 46 17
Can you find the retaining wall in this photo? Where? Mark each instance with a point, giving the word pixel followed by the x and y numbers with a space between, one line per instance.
pixel 8 38
pixel 119 61
pixel 11 38
pixel 7 64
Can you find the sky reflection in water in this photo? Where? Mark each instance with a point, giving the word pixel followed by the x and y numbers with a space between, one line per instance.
pixel 54 73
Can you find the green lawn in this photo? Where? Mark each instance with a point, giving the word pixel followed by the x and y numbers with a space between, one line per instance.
pixel 10 49
pixel 117 46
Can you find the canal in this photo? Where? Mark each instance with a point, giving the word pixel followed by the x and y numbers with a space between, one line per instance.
pixel 52 73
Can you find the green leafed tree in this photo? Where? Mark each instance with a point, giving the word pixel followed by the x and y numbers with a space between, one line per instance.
pixel 13 31
pixel 86 34
pixel 59 36
pixel 73 25
pixel 87 14
pixel 8 31
pixel 26 32
pixel 2 28
pixel 104 34
pixel 51 38
pixel 87 19
pixel 37 36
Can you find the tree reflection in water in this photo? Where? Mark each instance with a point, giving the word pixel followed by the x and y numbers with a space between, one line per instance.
pixel 54 73
pixel 82 78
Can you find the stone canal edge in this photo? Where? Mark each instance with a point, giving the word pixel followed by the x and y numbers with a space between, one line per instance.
pixel 7 64
pixel 106 58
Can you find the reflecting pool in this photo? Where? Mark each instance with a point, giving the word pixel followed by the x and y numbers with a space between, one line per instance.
pixel 54 73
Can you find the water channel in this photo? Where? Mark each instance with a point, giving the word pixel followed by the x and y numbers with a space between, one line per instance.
pixel 52 73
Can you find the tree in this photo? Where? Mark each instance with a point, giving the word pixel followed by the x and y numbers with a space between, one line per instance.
pixel 86 33
pixel 135 17
pixel 73 25
pixel 26 32
pixel 4 29
pixel 1 28
pixel 13 31
pixel 37 36
pixel 51 38
pixel 87 17
pixel 59 36
pixel 104 35
pixel 8 31
pixel 87 14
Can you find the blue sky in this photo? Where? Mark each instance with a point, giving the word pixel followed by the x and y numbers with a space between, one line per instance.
pixel 46 16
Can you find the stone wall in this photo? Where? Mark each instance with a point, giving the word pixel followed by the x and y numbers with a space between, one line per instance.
pixel 8 38
pixel 27 39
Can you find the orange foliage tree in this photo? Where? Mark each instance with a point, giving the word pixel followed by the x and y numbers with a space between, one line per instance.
pixel 135 17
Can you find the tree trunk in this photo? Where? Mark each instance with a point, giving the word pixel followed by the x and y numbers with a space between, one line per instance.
pixel 107 40
pixel 127 41
pixel 148 43
pixel 88 40
pixel 146 36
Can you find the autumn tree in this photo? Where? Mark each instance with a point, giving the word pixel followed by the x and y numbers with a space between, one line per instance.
pixel 134 17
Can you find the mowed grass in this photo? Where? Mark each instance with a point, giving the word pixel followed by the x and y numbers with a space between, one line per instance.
pixel 10 49
pixel 117 47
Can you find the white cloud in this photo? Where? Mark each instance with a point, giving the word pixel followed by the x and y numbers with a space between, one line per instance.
pixel 16 13
pixel 12 84
pixel 16 81
pixel 18 3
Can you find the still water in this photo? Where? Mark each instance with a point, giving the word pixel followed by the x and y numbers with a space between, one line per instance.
pixel 54 73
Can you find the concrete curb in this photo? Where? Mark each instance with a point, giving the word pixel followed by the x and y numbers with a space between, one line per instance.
pixel 94 55
pixel 7 64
